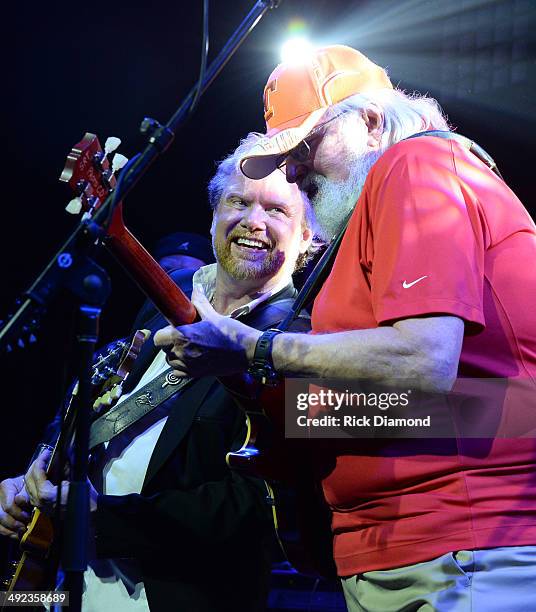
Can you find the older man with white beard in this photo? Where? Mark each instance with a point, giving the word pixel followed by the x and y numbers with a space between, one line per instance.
pixel 429 284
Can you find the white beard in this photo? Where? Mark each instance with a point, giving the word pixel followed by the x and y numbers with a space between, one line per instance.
pixel 333 201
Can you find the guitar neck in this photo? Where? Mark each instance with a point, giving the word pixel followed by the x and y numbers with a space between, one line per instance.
pixel 54 468
pixel 147 273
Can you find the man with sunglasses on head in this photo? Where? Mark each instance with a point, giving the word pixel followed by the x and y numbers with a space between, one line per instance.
pixel 430 284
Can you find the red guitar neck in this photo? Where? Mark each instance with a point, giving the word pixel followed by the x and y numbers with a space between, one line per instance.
pixel 147 273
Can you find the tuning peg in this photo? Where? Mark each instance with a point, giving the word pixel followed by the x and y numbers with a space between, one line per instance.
pixel 116 392
pixel 32 339
pixel 20 343
pixel 118 162
pixel 74 207
pixel 111 144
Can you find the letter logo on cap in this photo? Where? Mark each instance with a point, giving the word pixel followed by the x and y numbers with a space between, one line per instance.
pixel 269 110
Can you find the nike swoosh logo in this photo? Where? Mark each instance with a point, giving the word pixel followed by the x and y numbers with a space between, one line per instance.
pixel 408 285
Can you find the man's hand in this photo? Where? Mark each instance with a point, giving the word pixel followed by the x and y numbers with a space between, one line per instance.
pixel 216 346
pixel 43 494
pixel 14 507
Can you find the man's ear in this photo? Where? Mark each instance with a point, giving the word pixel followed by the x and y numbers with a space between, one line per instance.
pixel 373 118
pixel 307 238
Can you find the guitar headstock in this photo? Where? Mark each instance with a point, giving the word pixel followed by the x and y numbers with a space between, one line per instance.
pixel 90 172
pixel 112 368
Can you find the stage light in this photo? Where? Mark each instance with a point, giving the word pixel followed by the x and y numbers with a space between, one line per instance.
pixel 296 50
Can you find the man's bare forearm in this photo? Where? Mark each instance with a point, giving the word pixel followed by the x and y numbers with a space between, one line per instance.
pixel 424 350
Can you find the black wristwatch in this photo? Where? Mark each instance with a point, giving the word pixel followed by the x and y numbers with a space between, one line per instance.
pixel 262 366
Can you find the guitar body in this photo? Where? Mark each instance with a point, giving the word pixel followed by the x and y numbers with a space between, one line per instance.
pixel 35 570
pixel 301 516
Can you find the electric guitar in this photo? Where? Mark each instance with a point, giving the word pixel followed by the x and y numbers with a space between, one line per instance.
pixel 37 566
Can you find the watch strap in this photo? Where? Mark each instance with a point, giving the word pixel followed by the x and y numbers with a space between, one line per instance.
pixel 262 366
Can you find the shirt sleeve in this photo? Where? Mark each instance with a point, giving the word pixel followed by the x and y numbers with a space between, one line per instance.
pixel 427 235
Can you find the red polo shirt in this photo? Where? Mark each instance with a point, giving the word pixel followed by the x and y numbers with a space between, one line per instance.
pixel 435 232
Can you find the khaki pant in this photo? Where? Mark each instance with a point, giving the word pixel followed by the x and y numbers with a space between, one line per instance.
pixel 491 580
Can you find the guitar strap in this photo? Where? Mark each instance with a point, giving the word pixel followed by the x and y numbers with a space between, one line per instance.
pixel 137 405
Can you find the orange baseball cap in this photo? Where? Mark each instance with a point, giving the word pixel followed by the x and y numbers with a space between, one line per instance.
pixel 296 97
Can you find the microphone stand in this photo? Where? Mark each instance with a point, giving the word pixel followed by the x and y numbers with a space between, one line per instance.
pixel 71 268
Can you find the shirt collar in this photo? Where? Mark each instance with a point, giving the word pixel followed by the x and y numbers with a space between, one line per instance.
pixel 206 278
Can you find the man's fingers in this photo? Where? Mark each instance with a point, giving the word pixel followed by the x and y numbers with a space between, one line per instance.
pixel 41 462
pixel 16 510
pixel 179 367
pixel 36 475
pixel 22 499
pixel 7 497
pixel 9 488
pixel 31 485
pixel 166 337
pixel 8 533
pixel 13 498
pixel 172 341
pixel 47 493
pixel 41 491
pixel 21 516
pixel 11 525
pixel 180 373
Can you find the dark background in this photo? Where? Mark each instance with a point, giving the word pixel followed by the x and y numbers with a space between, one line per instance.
pixel 102 66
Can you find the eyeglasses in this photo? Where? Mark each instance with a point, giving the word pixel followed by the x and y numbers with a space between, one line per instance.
pixel 302 151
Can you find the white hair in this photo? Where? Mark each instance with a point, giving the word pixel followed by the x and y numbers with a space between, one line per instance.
pixel 229 167
pixel 403 114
